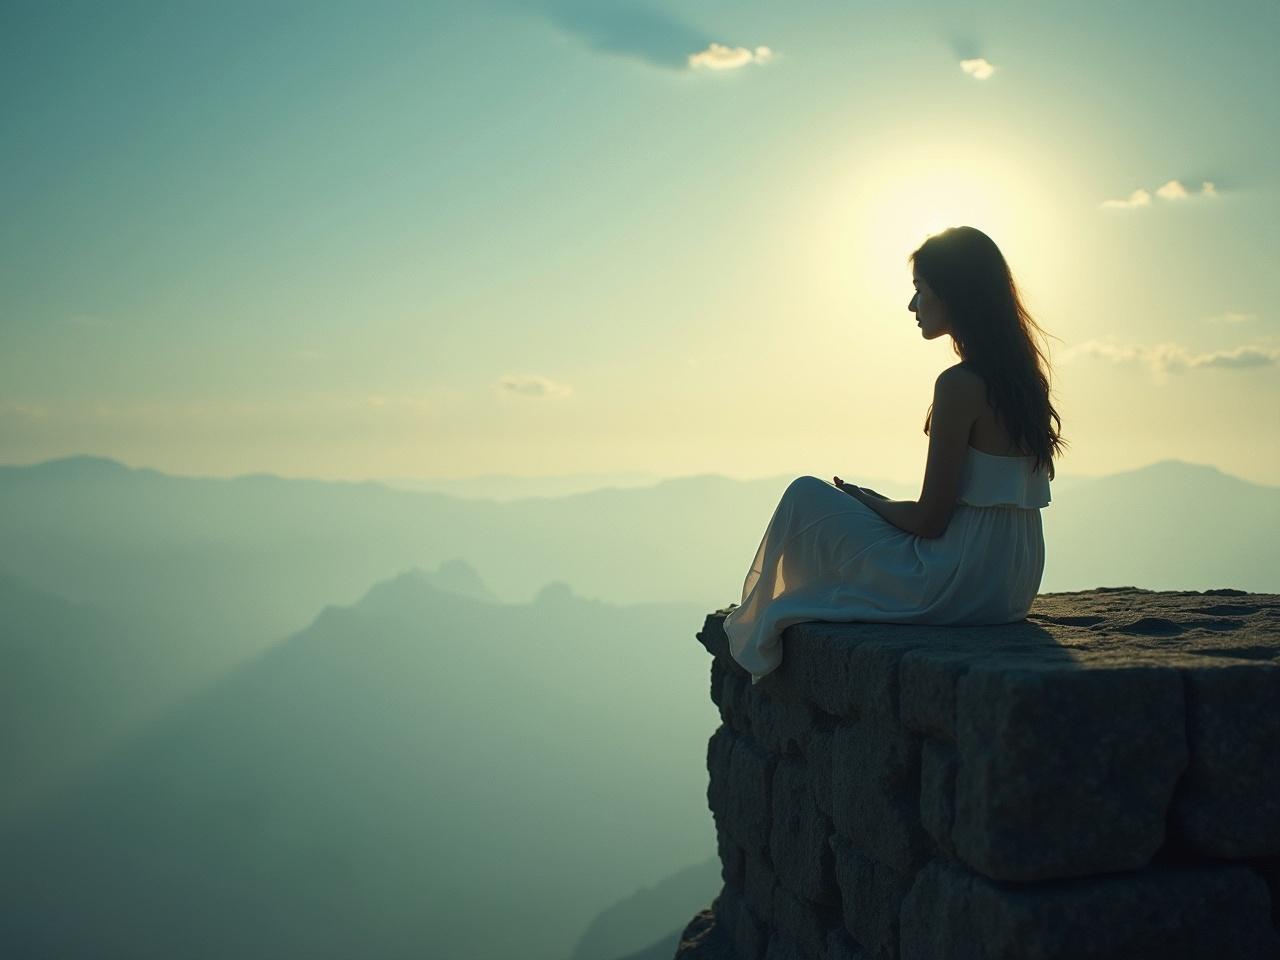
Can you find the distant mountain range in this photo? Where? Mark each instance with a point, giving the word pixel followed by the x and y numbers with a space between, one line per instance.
pixel 253 557
pixel 499 710
pixel 392 781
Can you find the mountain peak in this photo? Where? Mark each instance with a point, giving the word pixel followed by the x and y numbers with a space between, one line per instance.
pixel 458 576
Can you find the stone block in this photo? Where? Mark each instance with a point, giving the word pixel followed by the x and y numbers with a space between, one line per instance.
pixel 818 759
pixel 719 753
pixel 780 726
pixel 875 787
pixel 718 674
pixel 851 674
pixel 938 765
pixel 782 947
pixel 748 799
pixel 704 939
pixel 733 859
pixel 1192 913
pixel 841 947
pixel 805 924
pixel 734 705
pixel 749 935
pixel 928 675
pixel 1228 804
pixel 758 887
pixel 713 637
pixel 1269 870
pixel 798 838
pixel 1064 769
pixel 817 664
pixel 871 896
pixel 927 690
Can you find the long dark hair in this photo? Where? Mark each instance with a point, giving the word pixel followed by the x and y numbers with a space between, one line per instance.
pixel 991 332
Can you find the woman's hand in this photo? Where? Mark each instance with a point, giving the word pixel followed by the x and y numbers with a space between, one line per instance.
pixel 854 490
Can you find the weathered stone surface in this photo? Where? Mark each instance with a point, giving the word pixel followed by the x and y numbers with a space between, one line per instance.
pixel 782 947
pixel 938 765
pixel 746 931
pixel 733 686
pixel 840 947
pixel 871 897
pixel 1269 870
pixel 804 924
pixel 747 799
pixel 733 859
pixel 927 690
pixel 705 939
pixel 928 674
pixel 778 725
pixel 1228 804
pixel 713 637
pixel 798 841
pixel 819 760
pixel 758 887
pixel 876 793
pixel 1093 751
pixel 849 674
pixel 1193 913
pixel 1005 791
pixel 719 754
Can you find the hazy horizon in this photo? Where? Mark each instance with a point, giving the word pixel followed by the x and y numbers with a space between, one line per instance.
pixel 576 482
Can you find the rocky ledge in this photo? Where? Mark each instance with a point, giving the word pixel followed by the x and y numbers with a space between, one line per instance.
pixel 1100 780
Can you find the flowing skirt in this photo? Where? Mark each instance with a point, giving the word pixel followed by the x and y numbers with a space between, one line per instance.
pixel 827 556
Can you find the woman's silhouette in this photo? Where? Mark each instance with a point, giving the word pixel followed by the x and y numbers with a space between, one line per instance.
pixel 970 550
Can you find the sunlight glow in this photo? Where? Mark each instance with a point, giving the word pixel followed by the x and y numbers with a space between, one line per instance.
pixel 885 206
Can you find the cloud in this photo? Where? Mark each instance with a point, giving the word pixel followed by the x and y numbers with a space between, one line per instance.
pixel 1170 190
pixel 641 30
pixel 719 57
pixel 1139 198
pixel 533 386
pixel 978 68
pixel 629 28
pixel 1232 316
pixel 1163 359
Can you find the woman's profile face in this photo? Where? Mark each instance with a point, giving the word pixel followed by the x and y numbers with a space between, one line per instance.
pixel 931 313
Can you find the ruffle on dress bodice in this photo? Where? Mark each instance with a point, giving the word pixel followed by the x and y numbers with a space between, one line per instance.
pixel 992 481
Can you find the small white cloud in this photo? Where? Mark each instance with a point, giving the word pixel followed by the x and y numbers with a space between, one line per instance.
pixel 1232 316
pixel 1139 198
pixel 978 68
pixel 1170 190
pixel 720 57
pixel 533 386
pixel 1163 359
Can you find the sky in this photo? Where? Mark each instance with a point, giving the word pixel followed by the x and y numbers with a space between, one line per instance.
pixel 553 237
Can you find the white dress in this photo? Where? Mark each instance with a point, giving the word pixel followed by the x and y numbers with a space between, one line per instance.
pixel 828 556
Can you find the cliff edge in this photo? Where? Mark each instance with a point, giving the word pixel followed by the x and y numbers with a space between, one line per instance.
pixel 1101 779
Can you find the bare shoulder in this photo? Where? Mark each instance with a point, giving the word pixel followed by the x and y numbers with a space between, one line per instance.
pixel 962 383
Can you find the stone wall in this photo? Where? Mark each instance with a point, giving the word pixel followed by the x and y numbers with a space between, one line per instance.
pixel 1101 780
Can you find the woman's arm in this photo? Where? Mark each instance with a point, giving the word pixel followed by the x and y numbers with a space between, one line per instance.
pixel 957 396
pixel 903 514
